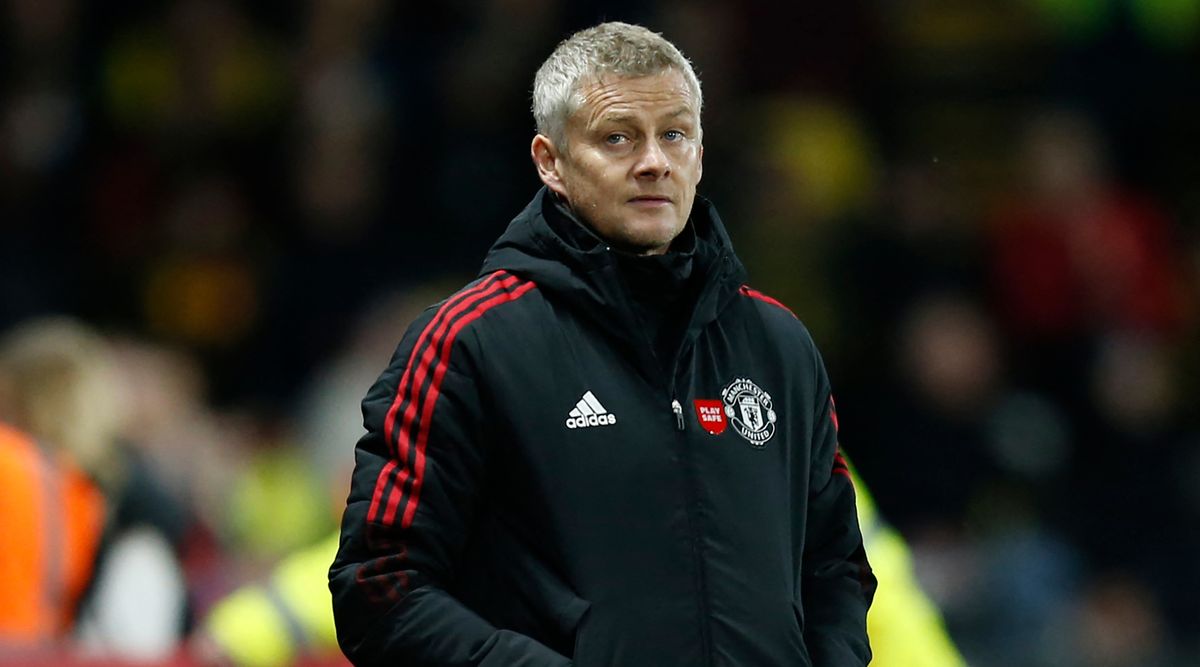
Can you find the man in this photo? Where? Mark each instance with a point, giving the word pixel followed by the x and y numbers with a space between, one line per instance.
pixel 84 550
pixel 607 450
pixel 53 515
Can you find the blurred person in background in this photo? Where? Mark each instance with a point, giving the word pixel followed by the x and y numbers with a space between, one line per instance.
pixel 904 625
pixel 1076 255
pixel 1090 288
pixel 98 543
pixel 278 620
pixel 531 489
pixel 52 515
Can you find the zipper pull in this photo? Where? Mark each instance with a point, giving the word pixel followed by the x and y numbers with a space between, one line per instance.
pixel 678 410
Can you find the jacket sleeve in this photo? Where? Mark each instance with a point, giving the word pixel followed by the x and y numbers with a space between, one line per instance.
pixel 417 479
pixel 837 584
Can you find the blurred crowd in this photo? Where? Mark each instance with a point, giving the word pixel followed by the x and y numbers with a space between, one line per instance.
pixel 217 217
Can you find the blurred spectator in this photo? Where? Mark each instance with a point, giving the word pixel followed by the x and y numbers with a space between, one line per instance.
pixel 1074 252
pixel 1026 575
pixel 905 627
pixel 192 458
pixel 930 414
pixel 57 367
pixel 914 241
pixel 278 502
pixel 53 516
pixel 61 386
pixel 1091 292
pixel 277 621
pixel 1118 624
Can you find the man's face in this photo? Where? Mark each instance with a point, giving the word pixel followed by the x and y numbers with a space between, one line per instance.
pixel 632 160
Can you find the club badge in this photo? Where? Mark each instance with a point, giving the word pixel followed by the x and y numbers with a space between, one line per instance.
pixel 749 409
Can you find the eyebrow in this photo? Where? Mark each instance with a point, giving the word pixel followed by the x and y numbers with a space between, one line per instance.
pixel 616 118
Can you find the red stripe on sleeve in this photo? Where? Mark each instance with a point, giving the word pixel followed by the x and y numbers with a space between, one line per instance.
pixel 414 499
pixel 444 312
pixel 840 467
pixel 430 351
pixel 746 290
pixel 423 368
pixel 380 483
pixel 389 422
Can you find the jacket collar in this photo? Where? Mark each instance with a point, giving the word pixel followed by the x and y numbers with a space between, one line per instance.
pixel 547 245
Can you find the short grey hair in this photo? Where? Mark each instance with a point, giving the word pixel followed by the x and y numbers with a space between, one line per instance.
pixel 616 48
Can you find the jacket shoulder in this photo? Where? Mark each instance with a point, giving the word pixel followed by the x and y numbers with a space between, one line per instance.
pixel 776 315
pixel 783 326
pixel 435 332
pixel 484 294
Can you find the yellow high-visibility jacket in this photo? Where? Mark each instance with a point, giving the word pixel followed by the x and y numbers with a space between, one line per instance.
pixel 904 626
pixel 291 615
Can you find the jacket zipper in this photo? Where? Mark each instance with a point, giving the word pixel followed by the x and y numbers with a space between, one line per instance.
pixel 692 509
pixel 690 488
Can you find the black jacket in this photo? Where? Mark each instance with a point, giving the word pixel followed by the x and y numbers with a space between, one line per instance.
pixel 537 487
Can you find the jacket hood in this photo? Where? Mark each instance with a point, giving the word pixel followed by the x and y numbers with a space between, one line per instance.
pixel 588 277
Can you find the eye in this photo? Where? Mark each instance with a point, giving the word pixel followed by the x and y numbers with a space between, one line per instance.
pixel 615 139
pixel 673 135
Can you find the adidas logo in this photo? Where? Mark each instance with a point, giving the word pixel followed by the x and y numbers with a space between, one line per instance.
pixel 589 412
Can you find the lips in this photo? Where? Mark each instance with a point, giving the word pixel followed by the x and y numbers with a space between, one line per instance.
pixel 651 199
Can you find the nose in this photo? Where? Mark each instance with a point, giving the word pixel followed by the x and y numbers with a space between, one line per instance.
pixel 652 163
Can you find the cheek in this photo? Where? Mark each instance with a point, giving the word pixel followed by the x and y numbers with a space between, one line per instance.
pixel 596 186
pixel 581 194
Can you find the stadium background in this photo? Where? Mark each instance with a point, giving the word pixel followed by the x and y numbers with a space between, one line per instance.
pixel 987 213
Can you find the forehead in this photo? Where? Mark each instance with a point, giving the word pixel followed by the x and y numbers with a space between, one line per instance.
pixel 609 96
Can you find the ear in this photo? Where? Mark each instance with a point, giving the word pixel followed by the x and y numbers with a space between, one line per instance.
pixel 546 158
pixel 700 164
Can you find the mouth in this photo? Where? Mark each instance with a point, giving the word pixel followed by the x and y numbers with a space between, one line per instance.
pixel 650 201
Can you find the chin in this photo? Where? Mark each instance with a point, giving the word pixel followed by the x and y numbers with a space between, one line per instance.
pixel 652 240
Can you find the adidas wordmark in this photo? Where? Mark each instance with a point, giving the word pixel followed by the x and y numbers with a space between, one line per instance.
pixel 589 412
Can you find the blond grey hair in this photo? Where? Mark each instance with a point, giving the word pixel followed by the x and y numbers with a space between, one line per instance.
pixel 615 48
pixel 58 383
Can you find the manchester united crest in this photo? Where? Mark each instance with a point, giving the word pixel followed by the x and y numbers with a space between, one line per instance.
pixel 749 409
